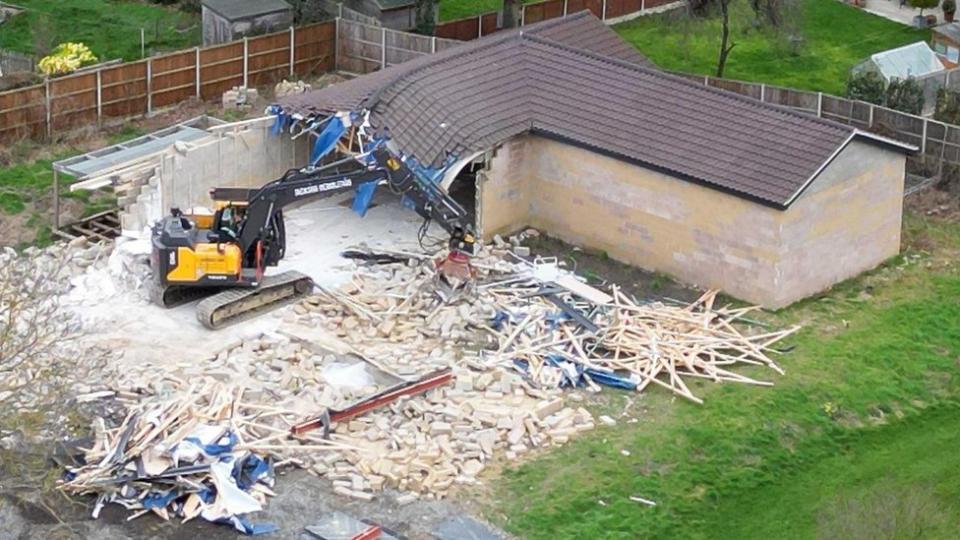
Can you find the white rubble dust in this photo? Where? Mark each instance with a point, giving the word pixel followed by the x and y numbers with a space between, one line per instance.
pixel 112 303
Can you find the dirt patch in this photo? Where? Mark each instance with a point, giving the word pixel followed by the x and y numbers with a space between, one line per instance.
pixel 935 203
pixel 601 269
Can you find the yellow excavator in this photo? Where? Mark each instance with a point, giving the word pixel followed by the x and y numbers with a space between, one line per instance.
pixel 222 257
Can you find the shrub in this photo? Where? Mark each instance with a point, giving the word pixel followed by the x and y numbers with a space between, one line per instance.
pixel 924 4
pixel 905 95
pixel 66 58
pixel 948 106
pixel 949 6
pixel 866 86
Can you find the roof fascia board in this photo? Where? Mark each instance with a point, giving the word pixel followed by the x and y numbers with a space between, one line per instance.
pixel 820 169
pixel 857 133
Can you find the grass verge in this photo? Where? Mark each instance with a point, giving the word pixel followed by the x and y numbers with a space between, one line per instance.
pixel 874 371
pixel 834 37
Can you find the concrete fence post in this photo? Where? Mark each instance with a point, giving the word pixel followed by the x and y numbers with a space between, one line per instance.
pixel 565 7
pixel 246 61
pixel 479 26
pixel 523 14
pixel 196 71
pixel 643 5
pixel 48 123
pixel 336 43
pixel 293 39
pixel 820 104
pixel 433 45
pixel 923 141
pixel 99 98
pixel 763 92
pixel 603 11
pixel 340 10
pixel 383 48
pixel 870 117
pixel 149 86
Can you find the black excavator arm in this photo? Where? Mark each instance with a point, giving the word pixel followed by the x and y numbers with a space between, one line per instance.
pixel 261 235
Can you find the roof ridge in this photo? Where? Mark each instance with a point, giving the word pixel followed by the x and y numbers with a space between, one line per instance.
pixel 666 75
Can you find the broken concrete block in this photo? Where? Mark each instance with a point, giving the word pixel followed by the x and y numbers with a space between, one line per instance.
pixel 545 409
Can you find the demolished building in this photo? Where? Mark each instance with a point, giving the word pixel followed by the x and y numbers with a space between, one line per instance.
pixel 580 136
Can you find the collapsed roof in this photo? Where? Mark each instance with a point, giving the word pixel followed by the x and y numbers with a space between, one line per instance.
pixel 575 80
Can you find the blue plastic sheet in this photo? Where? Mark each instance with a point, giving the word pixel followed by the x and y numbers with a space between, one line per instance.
pixel 363 198
pixel 249 470
pixel 158 500
pixel 215 449
pixel 327 139
pixel 280 123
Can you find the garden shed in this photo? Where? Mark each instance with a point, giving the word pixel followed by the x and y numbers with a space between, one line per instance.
pixel 946 43
pixel 229 20
pixel 394 14
pixel 580 137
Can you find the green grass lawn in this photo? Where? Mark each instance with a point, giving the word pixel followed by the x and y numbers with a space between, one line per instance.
pixel 835 36
pixel 451 10
pixel 111 28
pixel 869 410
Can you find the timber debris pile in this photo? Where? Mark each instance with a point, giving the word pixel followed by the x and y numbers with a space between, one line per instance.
pixel 392 384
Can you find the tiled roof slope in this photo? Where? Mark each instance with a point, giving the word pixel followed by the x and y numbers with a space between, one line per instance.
pixel 481 96
pixel 581 30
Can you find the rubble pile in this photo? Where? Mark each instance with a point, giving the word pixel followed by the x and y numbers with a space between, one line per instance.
pixel 515 339
pixel 184 457
pixel 287 88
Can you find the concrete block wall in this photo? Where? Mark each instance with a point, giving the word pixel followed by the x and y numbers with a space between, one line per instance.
pixel 700 235
pixel 247 156
pixel 503 190
pixel 847 222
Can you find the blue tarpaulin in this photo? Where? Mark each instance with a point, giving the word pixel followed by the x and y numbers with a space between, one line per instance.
pixel 363 198
pixel 327 139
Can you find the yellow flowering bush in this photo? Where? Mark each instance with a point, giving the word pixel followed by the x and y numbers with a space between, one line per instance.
pixel 66 58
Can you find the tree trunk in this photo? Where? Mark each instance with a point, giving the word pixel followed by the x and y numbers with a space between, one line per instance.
pixel 725 45
pixel 511 13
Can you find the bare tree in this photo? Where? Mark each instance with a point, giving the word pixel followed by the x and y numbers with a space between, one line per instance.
pixel 726 45
pixel 511 13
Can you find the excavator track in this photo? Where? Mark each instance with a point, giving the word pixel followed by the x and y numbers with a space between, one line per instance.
pixel 173 295
pixel 233 305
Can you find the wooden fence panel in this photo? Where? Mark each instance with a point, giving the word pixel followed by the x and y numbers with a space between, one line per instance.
pixel 795 99
pixel 595 6
pixel 221 68
pixel 461 30
pixel 174 78
pixel 404 46
pixel 490 23
pixel 360 47
pixel 743 88
pixel 314 48
pixel 542 11
pixel 616 8
pixel 124 89
pixel 269 59
pixel 23 113
pixel 73 102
